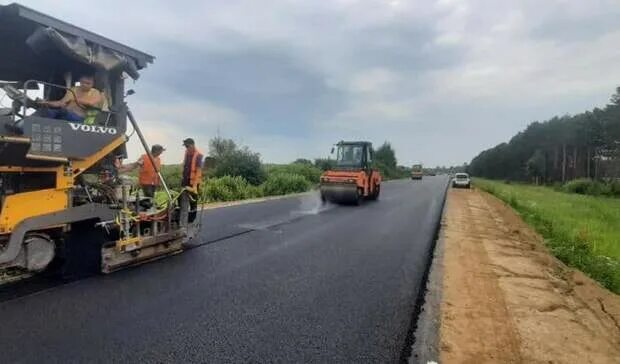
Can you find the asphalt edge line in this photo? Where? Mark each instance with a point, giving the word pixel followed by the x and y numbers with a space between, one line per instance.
pixel 421 344
pixel 223 204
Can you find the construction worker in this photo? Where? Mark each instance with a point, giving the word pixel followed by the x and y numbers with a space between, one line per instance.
pixel 192 173
pixel 147 174
pixel 192 166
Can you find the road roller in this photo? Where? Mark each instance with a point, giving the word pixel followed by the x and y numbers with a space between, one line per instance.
pixel 353 178
pixel 63 202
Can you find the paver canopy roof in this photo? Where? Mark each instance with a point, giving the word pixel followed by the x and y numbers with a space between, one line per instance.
pixel 31 43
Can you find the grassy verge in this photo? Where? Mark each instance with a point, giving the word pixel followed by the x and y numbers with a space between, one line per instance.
pixel 582 231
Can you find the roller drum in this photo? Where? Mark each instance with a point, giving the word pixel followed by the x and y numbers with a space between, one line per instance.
pixel 342 193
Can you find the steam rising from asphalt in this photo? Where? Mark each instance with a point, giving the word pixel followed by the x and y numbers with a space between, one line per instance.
pixel 311 204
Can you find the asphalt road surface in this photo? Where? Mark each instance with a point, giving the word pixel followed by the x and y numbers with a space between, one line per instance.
pixel 286 280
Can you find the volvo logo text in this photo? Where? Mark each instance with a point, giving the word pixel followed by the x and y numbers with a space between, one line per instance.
pixel 93 128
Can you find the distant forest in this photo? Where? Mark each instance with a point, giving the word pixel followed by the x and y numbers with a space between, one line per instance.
pixel 585 145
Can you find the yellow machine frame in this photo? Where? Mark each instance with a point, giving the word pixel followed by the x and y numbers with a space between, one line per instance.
pixel 21 206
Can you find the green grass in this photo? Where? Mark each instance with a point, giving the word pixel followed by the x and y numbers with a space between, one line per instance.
pixel 309 172
pixel 582 231
pixel 282 179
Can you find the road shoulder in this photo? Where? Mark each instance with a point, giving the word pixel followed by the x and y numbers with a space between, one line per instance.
pixel 425 348
pixel 504 298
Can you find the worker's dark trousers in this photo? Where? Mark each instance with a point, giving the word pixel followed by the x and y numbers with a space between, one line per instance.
pixel 149 190
pixel 193 204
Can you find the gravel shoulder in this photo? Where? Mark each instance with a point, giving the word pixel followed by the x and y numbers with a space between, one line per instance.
pixel 506 299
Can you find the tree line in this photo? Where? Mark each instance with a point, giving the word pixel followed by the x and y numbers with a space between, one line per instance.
pixel 586 145
pixel 447 170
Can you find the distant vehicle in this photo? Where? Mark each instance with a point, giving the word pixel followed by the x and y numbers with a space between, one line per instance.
pixel 416 171
pixel 461 180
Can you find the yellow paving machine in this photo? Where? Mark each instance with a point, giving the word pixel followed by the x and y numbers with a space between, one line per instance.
pixel 63 203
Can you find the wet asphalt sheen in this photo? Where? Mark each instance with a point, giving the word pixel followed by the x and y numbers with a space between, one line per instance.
pixel 285 281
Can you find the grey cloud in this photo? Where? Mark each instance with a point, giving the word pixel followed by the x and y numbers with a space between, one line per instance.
pixel 274 90
pixel 568 30
pixel 403 46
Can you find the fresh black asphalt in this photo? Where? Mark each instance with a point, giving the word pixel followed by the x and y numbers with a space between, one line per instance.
pixel 285 281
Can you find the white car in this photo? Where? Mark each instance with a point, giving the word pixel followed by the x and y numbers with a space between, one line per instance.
pixel 461 180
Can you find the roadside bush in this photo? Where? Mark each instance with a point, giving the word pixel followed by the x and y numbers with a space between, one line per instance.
pixel 308 171
pixel 324 164
pixel 580 186
pixel 599 189
pixel 614 188
pixel 240 162
pixel 404 172
pixel 284 183
pixel 172 174
pixel 389 172
pixel 303 161
pixel 586 186
pixel 228 188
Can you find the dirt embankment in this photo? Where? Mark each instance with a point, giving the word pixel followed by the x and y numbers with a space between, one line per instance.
pixel 507 300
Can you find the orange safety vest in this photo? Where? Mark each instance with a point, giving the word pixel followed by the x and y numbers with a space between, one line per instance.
pixel 195 174
pixel 148 174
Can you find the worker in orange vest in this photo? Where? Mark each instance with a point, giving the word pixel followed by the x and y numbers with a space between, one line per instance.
pixel 192 173
pixel 192 166
pixel 147 175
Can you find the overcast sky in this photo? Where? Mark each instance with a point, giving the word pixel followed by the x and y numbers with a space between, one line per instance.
pixel 440 80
